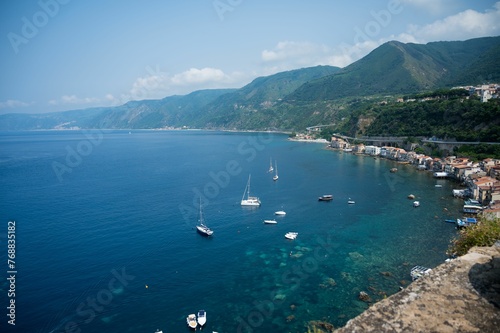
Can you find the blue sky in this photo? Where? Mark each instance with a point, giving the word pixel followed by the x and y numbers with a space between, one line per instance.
pixel 71 54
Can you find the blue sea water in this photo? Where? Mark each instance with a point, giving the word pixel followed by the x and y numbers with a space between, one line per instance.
pixel 106 240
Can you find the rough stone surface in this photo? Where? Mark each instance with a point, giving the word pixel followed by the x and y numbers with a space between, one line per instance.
pixel 462 295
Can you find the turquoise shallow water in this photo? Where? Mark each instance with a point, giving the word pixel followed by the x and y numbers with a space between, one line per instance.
pixel 106 239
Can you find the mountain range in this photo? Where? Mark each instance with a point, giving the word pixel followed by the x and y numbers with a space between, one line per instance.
pixel 295 99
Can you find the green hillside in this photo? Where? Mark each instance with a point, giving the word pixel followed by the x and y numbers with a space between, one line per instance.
pixel 451 116
pixel 254 106
pixel 397 68
pixel 351 99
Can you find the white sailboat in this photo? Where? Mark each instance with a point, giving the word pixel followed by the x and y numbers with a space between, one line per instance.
pixel 270 165
pixel 275 177
pixel 202 228
pixel 249 201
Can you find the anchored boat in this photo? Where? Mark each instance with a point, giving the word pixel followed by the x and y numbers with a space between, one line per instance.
pixel 249 201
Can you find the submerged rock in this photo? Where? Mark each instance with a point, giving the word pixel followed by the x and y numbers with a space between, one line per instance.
pixel 364 297
pixel 320 326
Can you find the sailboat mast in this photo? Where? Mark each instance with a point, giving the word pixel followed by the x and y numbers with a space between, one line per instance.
pixel 201 214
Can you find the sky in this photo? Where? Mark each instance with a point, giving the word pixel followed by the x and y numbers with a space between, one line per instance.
pixel 58 55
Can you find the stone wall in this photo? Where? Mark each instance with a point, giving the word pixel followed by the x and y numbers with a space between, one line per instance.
pixel 462 295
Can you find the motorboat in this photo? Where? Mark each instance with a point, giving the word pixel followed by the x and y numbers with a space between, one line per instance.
pixel 275 177
pixel 326 197
pixel 271 169
pixel 419 271
pixel 291 235
pixel 416 203
pixel 191 321
pixel 472 209
pixel 351 202
pixel 249 201
pixel 465 222
pixel 280 212
pixel 270 221
pixel 202 317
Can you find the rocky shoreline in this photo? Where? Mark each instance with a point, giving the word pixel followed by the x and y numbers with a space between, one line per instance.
pixel 462 295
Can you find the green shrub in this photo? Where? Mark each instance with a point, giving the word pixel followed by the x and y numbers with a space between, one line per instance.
pixel 485 233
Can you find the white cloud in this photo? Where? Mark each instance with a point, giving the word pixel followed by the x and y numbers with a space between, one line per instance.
pixel 158 84
pixel 461 26
pixel 73 99
pixel 464 25
pixel 288 55
pixel 197 76
pixel 13 103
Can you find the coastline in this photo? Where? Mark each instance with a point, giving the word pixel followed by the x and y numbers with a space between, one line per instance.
pixel 309 140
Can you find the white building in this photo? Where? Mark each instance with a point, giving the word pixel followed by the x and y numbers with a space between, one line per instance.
pixel 372 150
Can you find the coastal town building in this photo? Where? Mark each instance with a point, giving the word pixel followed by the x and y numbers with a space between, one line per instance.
pixel 372 150
pixel 480 179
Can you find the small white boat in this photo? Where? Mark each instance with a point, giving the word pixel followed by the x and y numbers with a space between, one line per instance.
pixel 202 228
pixel 291 235
pixel 325 197
pixel 270 221
pixel 275 177
pixel 438 185
pixel 249 201
pixel 270 165
pixel 191 321
pixel 280 212
pixel 416 203
pixel 202 317
pixel 158 331
pixel 351 202
pixel 419 271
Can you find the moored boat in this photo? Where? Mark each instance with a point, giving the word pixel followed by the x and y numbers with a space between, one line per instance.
pixel 465 222
pixel 291 235
pixel 280 212
pixel 325 197
pixel 191 321
pixel 472 209
pixel 416 203
pixel 270 221
pixel 249 201
pixel 202 228
pixel 419 271
pixel 202 317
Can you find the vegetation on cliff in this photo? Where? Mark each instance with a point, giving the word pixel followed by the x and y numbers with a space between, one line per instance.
pixel 485 233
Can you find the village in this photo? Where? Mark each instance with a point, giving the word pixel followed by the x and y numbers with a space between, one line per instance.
pixel 479 181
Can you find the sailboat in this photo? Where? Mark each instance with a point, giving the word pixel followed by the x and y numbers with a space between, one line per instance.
pixel 202 228
pixel 275 177
pixel 249 201
pixel 270 165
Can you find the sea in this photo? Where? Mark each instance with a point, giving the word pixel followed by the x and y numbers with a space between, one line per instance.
pixel 105 239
